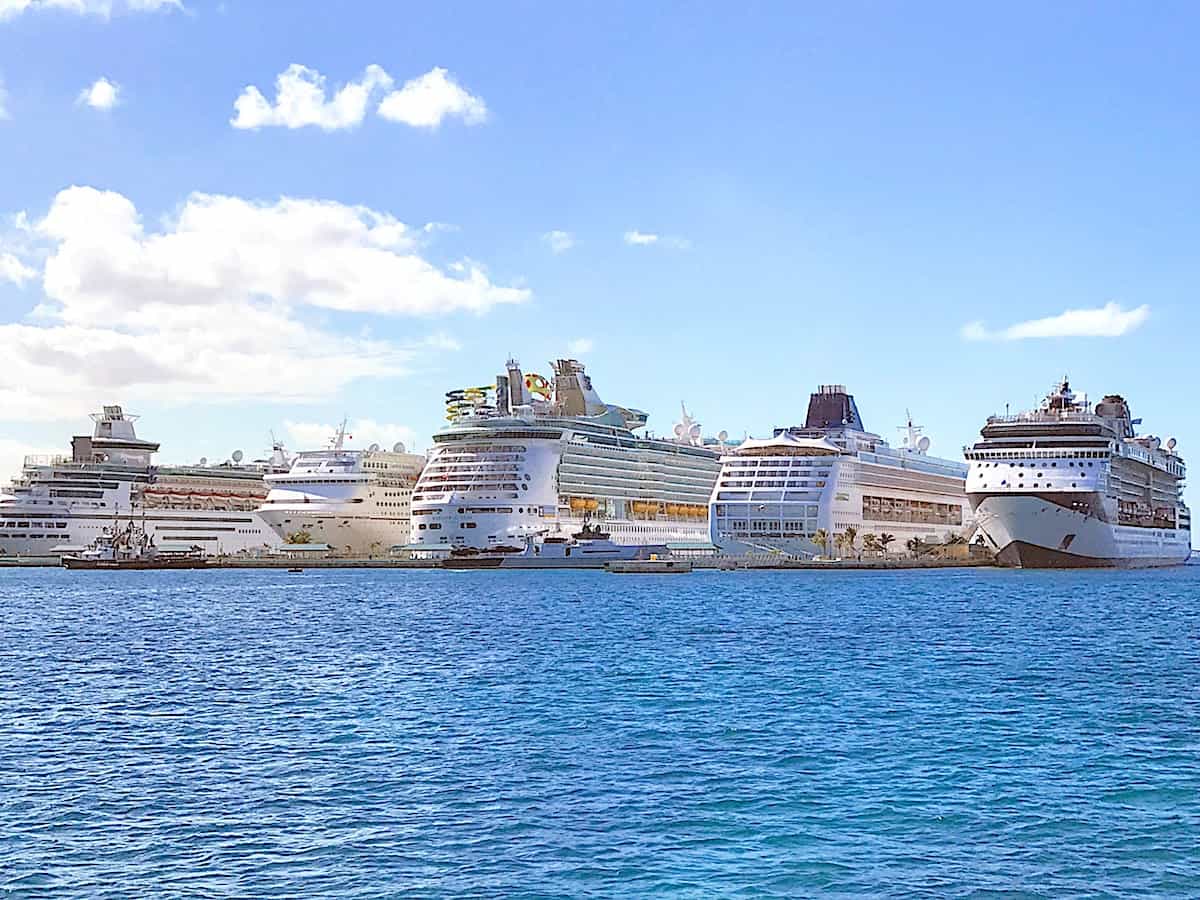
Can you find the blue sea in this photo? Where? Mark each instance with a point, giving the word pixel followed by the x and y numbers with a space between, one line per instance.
pixel 389 733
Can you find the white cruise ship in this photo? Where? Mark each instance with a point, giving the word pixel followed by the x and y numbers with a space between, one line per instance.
pixel 63 503
pixel 1070 485
pixel 535 456
pixel 832 474
pixel 356 502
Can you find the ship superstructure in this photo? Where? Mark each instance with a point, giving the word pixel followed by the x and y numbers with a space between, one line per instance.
pixel 831 475
pixel 531 455
pixel 59 503
pixel 354 501
pixel 1070 484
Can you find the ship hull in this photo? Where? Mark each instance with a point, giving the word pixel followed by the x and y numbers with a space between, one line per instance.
pixel 351 535
pixel 75 562
pixel 1029 532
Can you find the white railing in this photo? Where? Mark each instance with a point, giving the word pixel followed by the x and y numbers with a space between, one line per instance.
pixel 47 460
pixel 1044 415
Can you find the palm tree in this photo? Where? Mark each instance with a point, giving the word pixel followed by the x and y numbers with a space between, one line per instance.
pixel 820 537
pixel 953 538
pixel 914 546
pixel 849 536
pixel 884 540
pixel 299 537
pixel 870 543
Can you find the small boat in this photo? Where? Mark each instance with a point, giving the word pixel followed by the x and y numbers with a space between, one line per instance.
pixel 132 548
pixel 649 566
pixel 589 548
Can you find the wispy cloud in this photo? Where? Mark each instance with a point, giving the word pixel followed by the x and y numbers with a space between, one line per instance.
pixel 580 346
pixel 13 270
pixel 101 94
pixel 635 238
pixel 559 241
pixel 103 9
pixel 1109 320
pixel 3 92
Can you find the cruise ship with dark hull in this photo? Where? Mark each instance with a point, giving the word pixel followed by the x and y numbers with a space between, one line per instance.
pixel 1072 485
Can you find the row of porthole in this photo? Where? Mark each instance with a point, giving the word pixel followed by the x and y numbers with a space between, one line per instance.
pixel 1021 465
pixel 1021 486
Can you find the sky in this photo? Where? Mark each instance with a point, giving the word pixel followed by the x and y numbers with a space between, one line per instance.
pixel 238 218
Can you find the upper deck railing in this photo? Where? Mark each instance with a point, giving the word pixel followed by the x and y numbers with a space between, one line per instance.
pixel 44 459
pixel 1041 416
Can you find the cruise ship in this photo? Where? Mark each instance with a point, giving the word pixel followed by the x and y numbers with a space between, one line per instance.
pixel 63 503
pixel 355 502
pixel 1070 485
pixel 830 475
pixel 533 456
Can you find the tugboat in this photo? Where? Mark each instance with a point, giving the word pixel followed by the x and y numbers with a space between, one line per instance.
pixel 131 548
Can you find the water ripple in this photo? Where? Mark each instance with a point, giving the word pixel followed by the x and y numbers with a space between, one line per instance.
pixel 373 734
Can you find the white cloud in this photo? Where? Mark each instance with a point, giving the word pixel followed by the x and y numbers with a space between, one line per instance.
pixel 580 346
pixel 13 270
pixel 103 9
pixel 101 94
pixel 3 96
pixel 559 241
pixel 360 433
pixel 637 238
pixel 212 305
pixel 425 101
pixel 1109 320
pixel 300 100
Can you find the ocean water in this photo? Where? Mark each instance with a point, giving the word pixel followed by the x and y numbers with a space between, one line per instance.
pixel 410 733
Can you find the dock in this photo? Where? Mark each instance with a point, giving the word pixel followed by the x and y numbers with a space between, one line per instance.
pixel 686 564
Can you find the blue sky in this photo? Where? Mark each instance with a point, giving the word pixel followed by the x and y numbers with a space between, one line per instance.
pixel 837 193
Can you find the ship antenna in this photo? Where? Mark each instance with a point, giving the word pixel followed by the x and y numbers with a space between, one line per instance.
pixel 339 437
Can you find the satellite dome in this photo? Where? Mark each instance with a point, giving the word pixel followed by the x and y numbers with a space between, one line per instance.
pixel 204 460
pixel 1171 443
pixel 923 444
pixel 373 448
pixel 723 436
pixel 398 447
pixel 237 456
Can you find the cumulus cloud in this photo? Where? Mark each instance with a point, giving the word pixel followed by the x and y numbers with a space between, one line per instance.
pixel 359 433
pixel 1109 320
pixel 101 94
pixel 580 346
pixel 103 9
pixel 559 241
pixel 14 270
pixel 301 100
pixel 637 238
pixel 211 304
pixel 425 101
